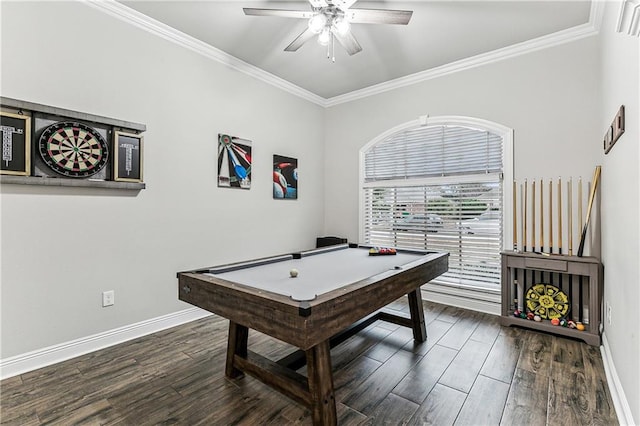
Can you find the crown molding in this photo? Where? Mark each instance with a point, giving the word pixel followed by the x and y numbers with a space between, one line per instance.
pixel 629 19
pixel 139 20
pixel 144 22
pixel 544 42
pixel 596 14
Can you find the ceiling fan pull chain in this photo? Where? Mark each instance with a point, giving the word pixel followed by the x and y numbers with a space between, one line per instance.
pixel 333 48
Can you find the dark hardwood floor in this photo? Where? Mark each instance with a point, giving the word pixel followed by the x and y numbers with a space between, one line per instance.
pixel 470 371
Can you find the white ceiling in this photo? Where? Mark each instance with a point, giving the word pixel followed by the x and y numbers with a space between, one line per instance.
pixel 439 33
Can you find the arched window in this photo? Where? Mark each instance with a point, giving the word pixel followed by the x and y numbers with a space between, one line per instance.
pixel 437 184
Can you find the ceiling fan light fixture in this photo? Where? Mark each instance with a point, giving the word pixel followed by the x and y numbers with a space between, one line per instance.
pixel 324 37
pixel 317 23
pixel 331 20
pixel 341 26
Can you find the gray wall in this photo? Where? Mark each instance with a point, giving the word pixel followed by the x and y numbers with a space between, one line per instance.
pixel 621 203
pixel 61 247
pixel 549 98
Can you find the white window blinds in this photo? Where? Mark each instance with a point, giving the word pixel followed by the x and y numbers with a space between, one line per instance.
pixel 439 188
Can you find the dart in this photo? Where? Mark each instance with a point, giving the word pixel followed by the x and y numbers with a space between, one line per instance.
pixel 241 172
pixel 242 153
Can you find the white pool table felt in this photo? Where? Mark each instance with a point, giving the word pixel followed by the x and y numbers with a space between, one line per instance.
pixel 317 274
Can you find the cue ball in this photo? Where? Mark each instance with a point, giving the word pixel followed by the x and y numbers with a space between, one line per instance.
pixel 293 273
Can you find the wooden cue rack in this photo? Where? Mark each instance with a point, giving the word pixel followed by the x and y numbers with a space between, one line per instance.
pixel 580 278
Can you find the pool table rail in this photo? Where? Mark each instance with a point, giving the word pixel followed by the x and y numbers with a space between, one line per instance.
pixel 305 324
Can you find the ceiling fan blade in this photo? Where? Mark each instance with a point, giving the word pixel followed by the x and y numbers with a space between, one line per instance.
pixel 349 42
pixel 300 40
pixel 282 13
pixel 376 16
pixel 318 3
pixel 343 4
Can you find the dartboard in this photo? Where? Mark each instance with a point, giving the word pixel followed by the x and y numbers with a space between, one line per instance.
pixel 73 149
pixel 547 301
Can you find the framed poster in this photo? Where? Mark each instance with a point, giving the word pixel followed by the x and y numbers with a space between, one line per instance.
pixel 234 162
pixel 127 158
pixel 16 144
pixel 285 177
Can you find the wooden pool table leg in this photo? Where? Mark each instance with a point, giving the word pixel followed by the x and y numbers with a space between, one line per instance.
pixel 417 315
pixel 236 345
pixel 323 403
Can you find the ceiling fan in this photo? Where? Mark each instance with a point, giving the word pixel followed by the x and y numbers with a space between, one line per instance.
pixel 331 20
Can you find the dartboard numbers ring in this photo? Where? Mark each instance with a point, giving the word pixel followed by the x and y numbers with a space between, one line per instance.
pixel 73 149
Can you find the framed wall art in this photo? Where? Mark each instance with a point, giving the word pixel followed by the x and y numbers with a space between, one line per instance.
pixel 16 144
pixel 234 162
pixel 51 146
pixel 285 177
pixel 127 157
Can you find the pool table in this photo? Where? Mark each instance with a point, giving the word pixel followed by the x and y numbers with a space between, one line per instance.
pixel 338 291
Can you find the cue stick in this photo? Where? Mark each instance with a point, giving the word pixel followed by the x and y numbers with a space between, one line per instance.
pixel 521 214
pixel 580 313
pixel 551 274
pixel 541 217
pixel 524 238
pixel 533 215
pixel 592 195
pixel 560 229
pixel 570 231
pixel 559 215
pixel 569 213
pixel 515 218
pixel 579 203
pixel 551 216
pixel 542 226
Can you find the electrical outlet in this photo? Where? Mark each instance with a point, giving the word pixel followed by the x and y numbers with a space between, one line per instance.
pixel 608 313
pixel 108 298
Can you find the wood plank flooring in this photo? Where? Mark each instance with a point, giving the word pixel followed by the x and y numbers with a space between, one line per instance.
pixel 470 371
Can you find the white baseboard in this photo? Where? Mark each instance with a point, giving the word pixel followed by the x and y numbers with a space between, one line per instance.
pixel 30 361
pixel 487 303
pixel 620 402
